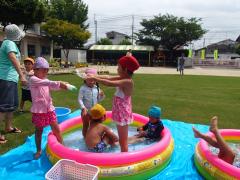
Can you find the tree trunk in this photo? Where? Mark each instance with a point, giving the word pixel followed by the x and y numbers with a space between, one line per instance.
pixel 66 53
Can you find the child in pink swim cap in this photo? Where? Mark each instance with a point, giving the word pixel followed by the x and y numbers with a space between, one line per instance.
pixel 89 95
pixel 43 111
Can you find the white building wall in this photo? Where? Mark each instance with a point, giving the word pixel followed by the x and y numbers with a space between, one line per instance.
pixel 75 56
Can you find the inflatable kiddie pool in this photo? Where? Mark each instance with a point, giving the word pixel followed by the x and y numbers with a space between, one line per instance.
pixel 140 164
pixel 209 165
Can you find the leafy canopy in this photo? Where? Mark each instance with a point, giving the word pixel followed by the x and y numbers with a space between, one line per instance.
pixel 65 34
pixel 25 12
pixel 74 11
pixel 169 31
pixel 125 42
pixel 104 41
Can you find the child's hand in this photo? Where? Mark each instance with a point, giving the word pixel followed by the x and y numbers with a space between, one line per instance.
pixel 84 112
pixel 101 93
pixel 139 129
pixel 71 87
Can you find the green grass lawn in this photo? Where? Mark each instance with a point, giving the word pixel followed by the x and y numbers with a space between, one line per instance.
pixel 192 99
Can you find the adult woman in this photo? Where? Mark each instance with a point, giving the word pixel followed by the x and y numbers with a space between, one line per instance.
pixel 10 73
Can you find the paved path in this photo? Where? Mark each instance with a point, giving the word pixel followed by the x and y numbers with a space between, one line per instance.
pixel 190 71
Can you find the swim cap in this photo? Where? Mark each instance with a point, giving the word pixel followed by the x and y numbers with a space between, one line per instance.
pixel 129 62
pixel 91 71
pixel 97 111
pixel 154 111
pixel 41 63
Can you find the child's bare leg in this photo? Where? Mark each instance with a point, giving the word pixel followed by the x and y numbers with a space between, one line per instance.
pixel 21 105
pixel 225 153
pixel 135 139
pixel 56 131
pixel 38 141
pixel 123 137
pixel 207 138
pixel 86 121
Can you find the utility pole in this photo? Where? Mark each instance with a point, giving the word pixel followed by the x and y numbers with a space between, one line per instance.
pixel 95 23
pixel 132 27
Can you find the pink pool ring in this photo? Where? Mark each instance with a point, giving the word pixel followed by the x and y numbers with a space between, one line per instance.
pixel 140 164
pixel 212 167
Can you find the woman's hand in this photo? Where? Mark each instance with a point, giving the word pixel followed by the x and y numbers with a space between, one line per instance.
pixel 23 80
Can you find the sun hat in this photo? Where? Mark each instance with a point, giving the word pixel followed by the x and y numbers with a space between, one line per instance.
pixel 91 71
pixel 129 62
pixel 29 59
pixel 14 33
pixel 97 111
pixel 154 111
pixel 41 63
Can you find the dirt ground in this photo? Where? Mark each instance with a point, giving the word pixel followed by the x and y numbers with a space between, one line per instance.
pixel 187 71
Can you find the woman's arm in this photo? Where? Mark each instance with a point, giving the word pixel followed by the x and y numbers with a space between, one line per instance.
pixel 16 64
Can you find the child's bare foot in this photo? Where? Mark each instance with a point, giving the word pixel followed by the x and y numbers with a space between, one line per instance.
pixel 37 154
pixel 213 125
pixel 197 134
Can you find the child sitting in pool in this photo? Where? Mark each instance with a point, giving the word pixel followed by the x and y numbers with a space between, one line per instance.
pixel 98 136
pixel 152 130
pixel 225 152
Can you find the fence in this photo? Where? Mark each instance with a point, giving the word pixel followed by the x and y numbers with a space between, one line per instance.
pixel 233 63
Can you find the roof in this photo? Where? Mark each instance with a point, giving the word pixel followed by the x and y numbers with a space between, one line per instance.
pixel 121 48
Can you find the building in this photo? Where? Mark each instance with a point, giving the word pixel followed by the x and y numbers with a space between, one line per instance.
pixel 34 44
pixel 116 37
pixel 226 50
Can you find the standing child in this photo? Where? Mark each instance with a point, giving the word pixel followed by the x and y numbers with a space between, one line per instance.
pixel 89 95
pixel 122 103
pixel 98 136
pixel 152 130
pixel 42 109
pixel 28 72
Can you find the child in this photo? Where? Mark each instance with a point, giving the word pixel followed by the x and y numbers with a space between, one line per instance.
pixel 98 136
pixel 28 72
pixel 89 95
pixel 152 130
pixel 42 109
pixel 225 152
pixel 122 103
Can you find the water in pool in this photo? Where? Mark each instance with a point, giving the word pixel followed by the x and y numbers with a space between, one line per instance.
pixel 235 147
pixel 74 140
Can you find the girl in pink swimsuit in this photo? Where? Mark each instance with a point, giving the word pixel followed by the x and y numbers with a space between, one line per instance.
pixel 122 103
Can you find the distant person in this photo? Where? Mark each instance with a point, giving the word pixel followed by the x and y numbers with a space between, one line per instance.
pixel 151 130
pixel 225 152
pixel 129 52
pixel 122 100
pixel 27 72
pixel 99 136
pixel 181 64
pixel 89 95
pixel 10 73
pixel 43 111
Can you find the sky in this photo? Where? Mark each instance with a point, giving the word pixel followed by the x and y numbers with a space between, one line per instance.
pixel 220 17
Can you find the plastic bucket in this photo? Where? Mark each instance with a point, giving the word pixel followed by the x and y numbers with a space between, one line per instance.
pixel 62 113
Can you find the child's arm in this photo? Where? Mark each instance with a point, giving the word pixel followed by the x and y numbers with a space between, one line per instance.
pixel 113 78
pixel 101 95
pixel 115 83
pixel 110 134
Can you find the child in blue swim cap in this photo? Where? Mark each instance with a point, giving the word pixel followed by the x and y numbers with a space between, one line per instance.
pixel 151 130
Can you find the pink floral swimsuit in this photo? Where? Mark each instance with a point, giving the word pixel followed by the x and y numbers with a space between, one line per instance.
pixel 122 108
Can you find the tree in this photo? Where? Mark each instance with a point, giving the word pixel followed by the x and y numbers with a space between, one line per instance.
pixel 169 31
pixel 104 41
pixel 65 34
pixel 25 12
pixel 73 11
pixel 125 42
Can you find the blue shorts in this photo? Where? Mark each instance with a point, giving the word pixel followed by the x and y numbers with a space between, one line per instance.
pixel 8 96
pixel 99 148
